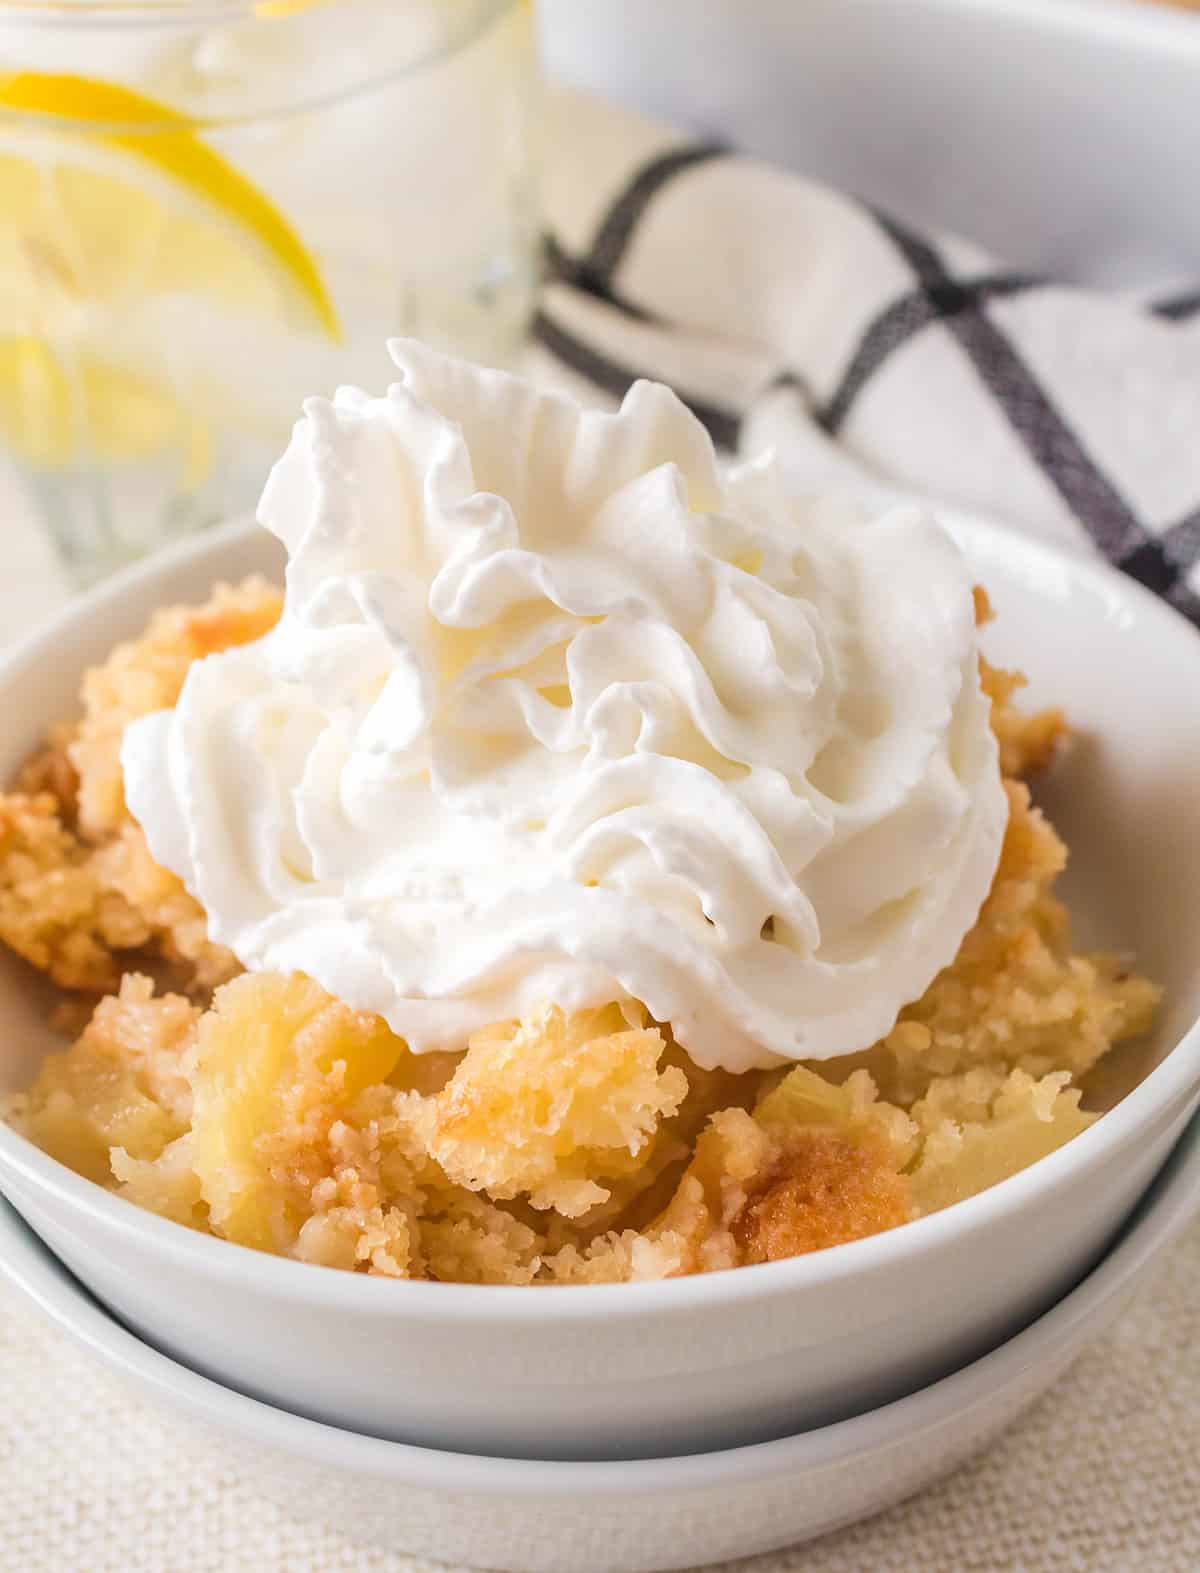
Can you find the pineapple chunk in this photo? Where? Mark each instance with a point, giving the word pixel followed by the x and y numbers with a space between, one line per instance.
pixel 277 1061
pixel 804 1100
pixel 122 1085
pixel 167 1185
pixel 979 1135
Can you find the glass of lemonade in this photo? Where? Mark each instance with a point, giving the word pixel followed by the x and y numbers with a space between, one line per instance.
pixel 212 208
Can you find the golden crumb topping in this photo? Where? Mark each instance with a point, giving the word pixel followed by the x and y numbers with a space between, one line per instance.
pixel 145 675
pixel 553 1107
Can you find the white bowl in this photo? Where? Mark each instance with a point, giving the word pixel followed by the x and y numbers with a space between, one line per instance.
pixel 619 1517
pixel 1052 132
pixel 644 1369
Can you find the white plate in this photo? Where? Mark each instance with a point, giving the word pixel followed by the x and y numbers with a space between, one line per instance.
pixel 633 1517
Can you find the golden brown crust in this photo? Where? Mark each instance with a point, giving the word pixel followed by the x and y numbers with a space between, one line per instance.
pixel 54 910
pixel 1028 743
pixel 146 674
pixel 823 1189
pixel 88 914
pixel 1017 996
pixel 80 896
pixel 553 1109
pixel 50 771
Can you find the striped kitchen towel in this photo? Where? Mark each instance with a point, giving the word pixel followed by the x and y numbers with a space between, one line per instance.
pixel 872 359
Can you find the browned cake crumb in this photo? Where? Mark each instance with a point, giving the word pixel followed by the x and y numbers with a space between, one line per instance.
pixel 821 1190
pixel 178 930
pixel 86 913
pixel 50 771
pixel 80 896
pixel 553 1108
pixel 1027 742
pixel 54 910
pixel 1017 995
pixel 146 674
pixel 582 1148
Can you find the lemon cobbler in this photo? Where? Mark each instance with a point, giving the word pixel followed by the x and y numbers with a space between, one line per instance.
pixel 544 912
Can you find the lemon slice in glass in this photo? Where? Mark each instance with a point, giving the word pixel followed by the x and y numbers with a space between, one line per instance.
pixel 110 201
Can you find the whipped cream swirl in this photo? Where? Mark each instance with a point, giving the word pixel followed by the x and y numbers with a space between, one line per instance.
pixel 560 709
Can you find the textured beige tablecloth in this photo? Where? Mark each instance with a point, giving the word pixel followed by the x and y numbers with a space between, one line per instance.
pixel 1102 1477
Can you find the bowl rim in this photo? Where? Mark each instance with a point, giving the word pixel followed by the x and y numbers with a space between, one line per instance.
pixel 1172 1200
pixel 1122 23
pixel 1175 1077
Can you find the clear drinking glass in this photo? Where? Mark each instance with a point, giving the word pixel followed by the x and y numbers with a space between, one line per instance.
pixel 210 210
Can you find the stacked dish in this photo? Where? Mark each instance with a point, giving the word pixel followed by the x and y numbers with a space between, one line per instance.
pixel 623 1517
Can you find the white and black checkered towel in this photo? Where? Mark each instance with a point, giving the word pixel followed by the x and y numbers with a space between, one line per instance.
pixel 872 359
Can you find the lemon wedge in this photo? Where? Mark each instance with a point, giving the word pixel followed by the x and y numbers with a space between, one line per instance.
pixel 114 117
pixel 56 407
pixel 110 201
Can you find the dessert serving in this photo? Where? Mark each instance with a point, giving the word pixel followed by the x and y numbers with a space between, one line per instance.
pixel 596 865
